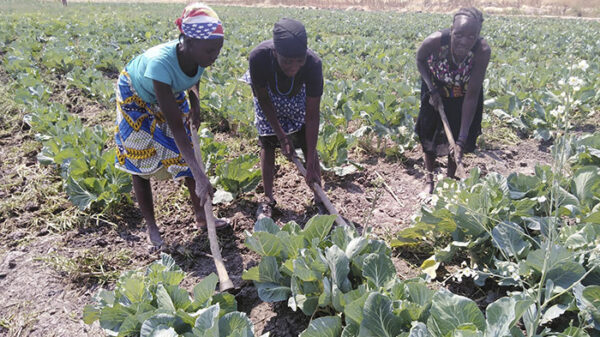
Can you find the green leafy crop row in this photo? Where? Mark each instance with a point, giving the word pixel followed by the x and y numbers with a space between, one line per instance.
pixel 151 303
pixel 538 235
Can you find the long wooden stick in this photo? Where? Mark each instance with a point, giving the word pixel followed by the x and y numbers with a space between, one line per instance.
pixel 224 280
pixel 324 199
pixel 459 168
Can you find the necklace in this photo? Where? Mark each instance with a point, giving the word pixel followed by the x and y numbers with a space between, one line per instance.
pixel 277 85
pixel 453 59
pixel 277 81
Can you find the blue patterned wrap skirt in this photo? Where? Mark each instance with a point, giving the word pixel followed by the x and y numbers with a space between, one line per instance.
pixel 145 143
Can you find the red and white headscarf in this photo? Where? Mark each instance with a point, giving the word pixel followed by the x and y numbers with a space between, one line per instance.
pixel 199 21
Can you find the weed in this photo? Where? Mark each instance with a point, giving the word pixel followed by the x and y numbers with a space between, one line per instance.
pixel 89 266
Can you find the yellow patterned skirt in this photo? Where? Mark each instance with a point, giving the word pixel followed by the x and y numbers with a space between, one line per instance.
pixel 145 143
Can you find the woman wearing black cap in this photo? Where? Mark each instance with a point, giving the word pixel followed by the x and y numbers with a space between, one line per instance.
pixel 287 82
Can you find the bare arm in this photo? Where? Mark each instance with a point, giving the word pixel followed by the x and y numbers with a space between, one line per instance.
pixel 481 61
pixel 312 133
pixel 193 94
pixel 312 124
pixel 195 91
pixel 430 45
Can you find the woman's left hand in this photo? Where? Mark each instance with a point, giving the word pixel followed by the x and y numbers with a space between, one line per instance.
pixel 435 100
pixel 312 173
pixel 459 154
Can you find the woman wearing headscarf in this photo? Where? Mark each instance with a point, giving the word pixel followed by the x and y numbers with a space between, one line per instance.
pixel 287 82
pixel 155 116
pixel 452 63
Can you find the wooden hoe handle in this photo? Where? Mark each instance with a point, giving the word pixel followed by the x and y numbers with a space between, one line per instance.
pixel 224 280
pixel 321 195
pixel 448 131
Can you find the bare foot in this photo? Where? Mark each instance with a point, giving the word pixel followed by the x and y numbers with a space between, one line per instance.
pixel 425 195
pixel 155 241
pixel 428 187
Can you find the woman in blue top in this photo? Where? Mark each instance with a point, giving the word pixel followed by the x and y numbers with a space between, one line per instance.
pixel 154 114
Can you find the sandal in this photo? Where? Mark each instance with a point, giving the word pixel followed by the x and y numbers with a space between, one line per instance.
pixel 220 224
pixel 155 247
pixel 265 209
pixel 425 195
pixel 320 207
pixel 154 241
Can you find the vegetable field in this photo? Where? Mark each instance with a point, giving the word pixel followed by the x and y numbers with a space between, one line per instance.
pixel 513 249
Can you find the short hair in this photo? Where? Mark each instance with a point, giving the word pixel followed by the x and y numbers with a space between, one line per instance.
pixel 470 12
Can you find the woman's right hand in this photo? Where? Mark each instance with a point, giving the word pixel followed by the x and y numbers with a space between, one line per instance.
pixel 204 189
pixel 287 148
pixel 435 100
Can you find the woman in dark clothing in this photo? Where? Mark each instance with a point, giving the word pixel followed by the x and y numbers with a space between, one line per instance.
pixel 452 64
pixel 287 82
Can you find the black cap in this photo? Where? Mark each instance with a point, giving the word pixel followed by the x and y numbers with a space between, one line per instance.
pixel 289 38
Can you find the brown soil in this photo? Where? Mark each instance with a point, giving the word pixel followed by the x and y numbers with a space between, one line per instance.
pixel 38 300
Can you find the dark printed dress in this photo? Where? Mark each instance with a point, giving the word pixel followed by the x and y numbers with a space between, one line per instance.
pixel 289 104
pixel 291 111
pixel 452 81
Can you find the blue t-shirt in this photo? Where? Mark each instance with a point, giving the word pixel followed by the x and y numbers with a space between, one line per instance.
pixel 159 63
